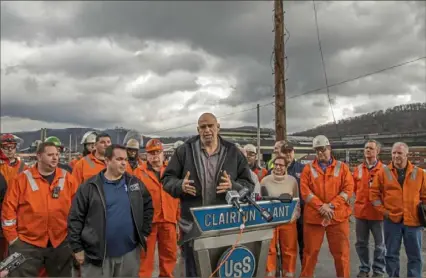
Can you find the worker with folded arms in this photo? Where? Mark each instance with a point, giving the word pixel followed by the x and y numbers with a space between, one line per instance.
pixel 326 186
pixel 397 191
pixel 34 216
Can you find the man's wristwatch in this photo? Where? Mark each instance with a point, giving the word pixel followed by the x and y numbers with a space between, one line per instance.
pixel 331 206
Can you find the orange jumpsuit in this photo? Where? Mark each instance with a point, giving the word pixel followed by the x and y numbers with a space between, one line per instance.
pixel 10 173
pixel 166 215
pixel 87 167
pixel 333 187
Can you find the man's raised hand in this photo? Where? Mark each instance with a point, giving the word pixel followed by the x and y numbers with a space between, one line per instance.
pixel 187 185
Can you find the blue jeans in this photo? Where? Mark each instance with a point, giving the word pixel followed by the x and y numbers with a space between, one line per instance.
pixel 363 228
pixel 412 236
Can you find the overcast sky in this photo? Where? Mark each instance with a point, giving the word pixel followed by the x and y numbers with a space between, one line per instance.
pixel 158 65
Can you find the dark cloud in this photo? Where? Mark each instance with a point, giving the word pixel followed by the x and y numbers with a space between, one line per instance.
pixel 105 48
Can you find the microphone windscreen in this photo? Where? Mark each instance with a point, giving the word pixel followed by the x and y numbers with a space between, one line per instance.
pixel 264 191
pixel 285 197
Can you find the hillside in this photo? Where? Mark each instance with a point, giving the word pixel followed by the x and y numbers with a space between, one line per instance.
pixel 399 119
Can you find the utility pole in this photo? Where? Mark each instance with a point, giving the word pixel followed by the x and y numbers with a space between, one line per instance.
pixel 280 111
pixel 258 135
pixel 70 145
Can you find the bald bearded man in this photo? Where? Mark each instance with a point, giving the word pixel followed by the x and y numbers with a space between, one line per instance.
pixel 200 173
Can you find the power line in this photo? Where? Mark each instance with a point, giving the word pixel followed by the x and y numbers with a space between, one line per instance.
pixel 323 66
pixel 302 94
pixel 359 77
pixel 219 117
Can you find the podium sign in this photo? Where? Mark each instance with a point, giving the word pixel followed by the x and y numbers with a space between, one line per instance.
pixel 225 218
pixel 218 228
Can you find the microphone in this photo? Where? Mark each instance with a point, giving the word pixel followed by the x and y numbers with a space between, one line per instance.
pixel 283 198
pixel 232 198
pixel 245 196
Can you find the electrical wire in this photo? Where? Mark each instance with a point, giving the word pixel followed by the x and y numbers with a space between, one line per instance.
pixel 359 77
pixel 302 94
pixel 324 68
pixel 234 246
pixel 219 117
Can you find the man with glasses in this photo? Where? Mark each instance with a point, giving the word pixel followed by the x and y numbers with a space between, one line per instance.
pixel 251 154
pixel 8 144
pixel 166 214
pixel 326 186
pixel 295 169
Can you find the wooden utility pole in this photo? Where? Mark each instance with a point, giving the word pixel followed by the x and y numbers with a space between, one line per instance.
pixel 280 111
pixel 258 135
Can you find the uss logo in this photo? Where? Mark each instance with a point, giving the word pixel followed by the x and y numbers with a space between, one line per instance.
pixel 241 263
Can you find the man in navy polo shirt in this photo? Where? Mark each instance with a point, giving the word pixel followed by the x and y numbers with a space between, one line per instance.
pixel 110 219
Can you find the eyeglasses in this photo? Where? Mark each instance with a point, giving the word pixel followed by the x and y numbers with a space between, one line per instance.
pixel 8 148
pixel 320 149
pixel 279 165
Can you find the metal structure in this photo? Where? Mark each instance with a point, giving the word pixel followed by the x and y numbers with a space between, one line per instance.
pixel 216 231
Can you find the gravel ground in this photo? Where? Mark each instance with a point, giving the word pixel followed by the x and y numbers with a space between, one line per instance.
pixel 325 266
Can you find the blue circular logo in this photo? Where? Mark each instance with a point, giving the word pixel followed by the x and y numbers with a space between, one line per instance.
pixel 241 263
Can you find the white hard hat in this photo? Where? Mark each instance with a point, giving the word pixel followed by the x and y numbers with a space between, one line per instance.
pixel 132 144
pixel 320 141
pixel 89 138
pixel 177 144
pixel 250 148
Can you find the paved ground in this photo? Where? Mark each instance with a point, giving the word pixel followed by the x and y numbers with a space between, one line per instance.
pixel 325 266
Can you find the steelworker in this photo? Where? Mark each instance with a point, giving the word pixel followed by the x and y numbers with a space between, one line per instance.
pixel 166 214
pixel 34 216
pixel 55 140
pixel 133 162
pixel 368 219
pixel 88 142
pixel 251 154
pixel 294 169
pixel 275 184
pixel 94 162
pixel 326 186
pixel 9 144
pixel 396 192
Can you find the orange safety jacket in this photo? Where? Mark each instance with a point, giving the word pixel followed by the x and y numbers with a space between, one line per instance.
pixel 132 171
pixel 363 178
pixel 260 173
pixel 386 194
pixel 30 211
pixel 334 187
pixel 7 172
pixel 87 167
pixel 166 208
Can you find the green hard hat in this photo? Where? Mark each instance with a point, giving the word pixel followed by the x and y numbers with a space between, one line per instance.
pixel 55 140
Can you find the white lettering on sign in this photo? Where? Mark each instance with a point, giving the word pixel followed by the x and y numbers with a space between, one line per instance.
pixel 238 269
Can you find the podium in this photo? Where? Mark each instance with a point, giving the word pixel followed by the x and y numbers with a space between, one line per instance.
pixel 217 228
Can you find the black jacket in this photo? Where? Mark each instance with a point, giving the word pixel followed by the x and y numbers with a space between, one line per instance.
pixel 233 162
pixel 3 188
pixel 87 217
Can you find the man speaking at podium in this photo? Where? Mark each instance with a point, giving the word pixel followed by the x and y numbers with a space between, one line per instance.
pixel 200 173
